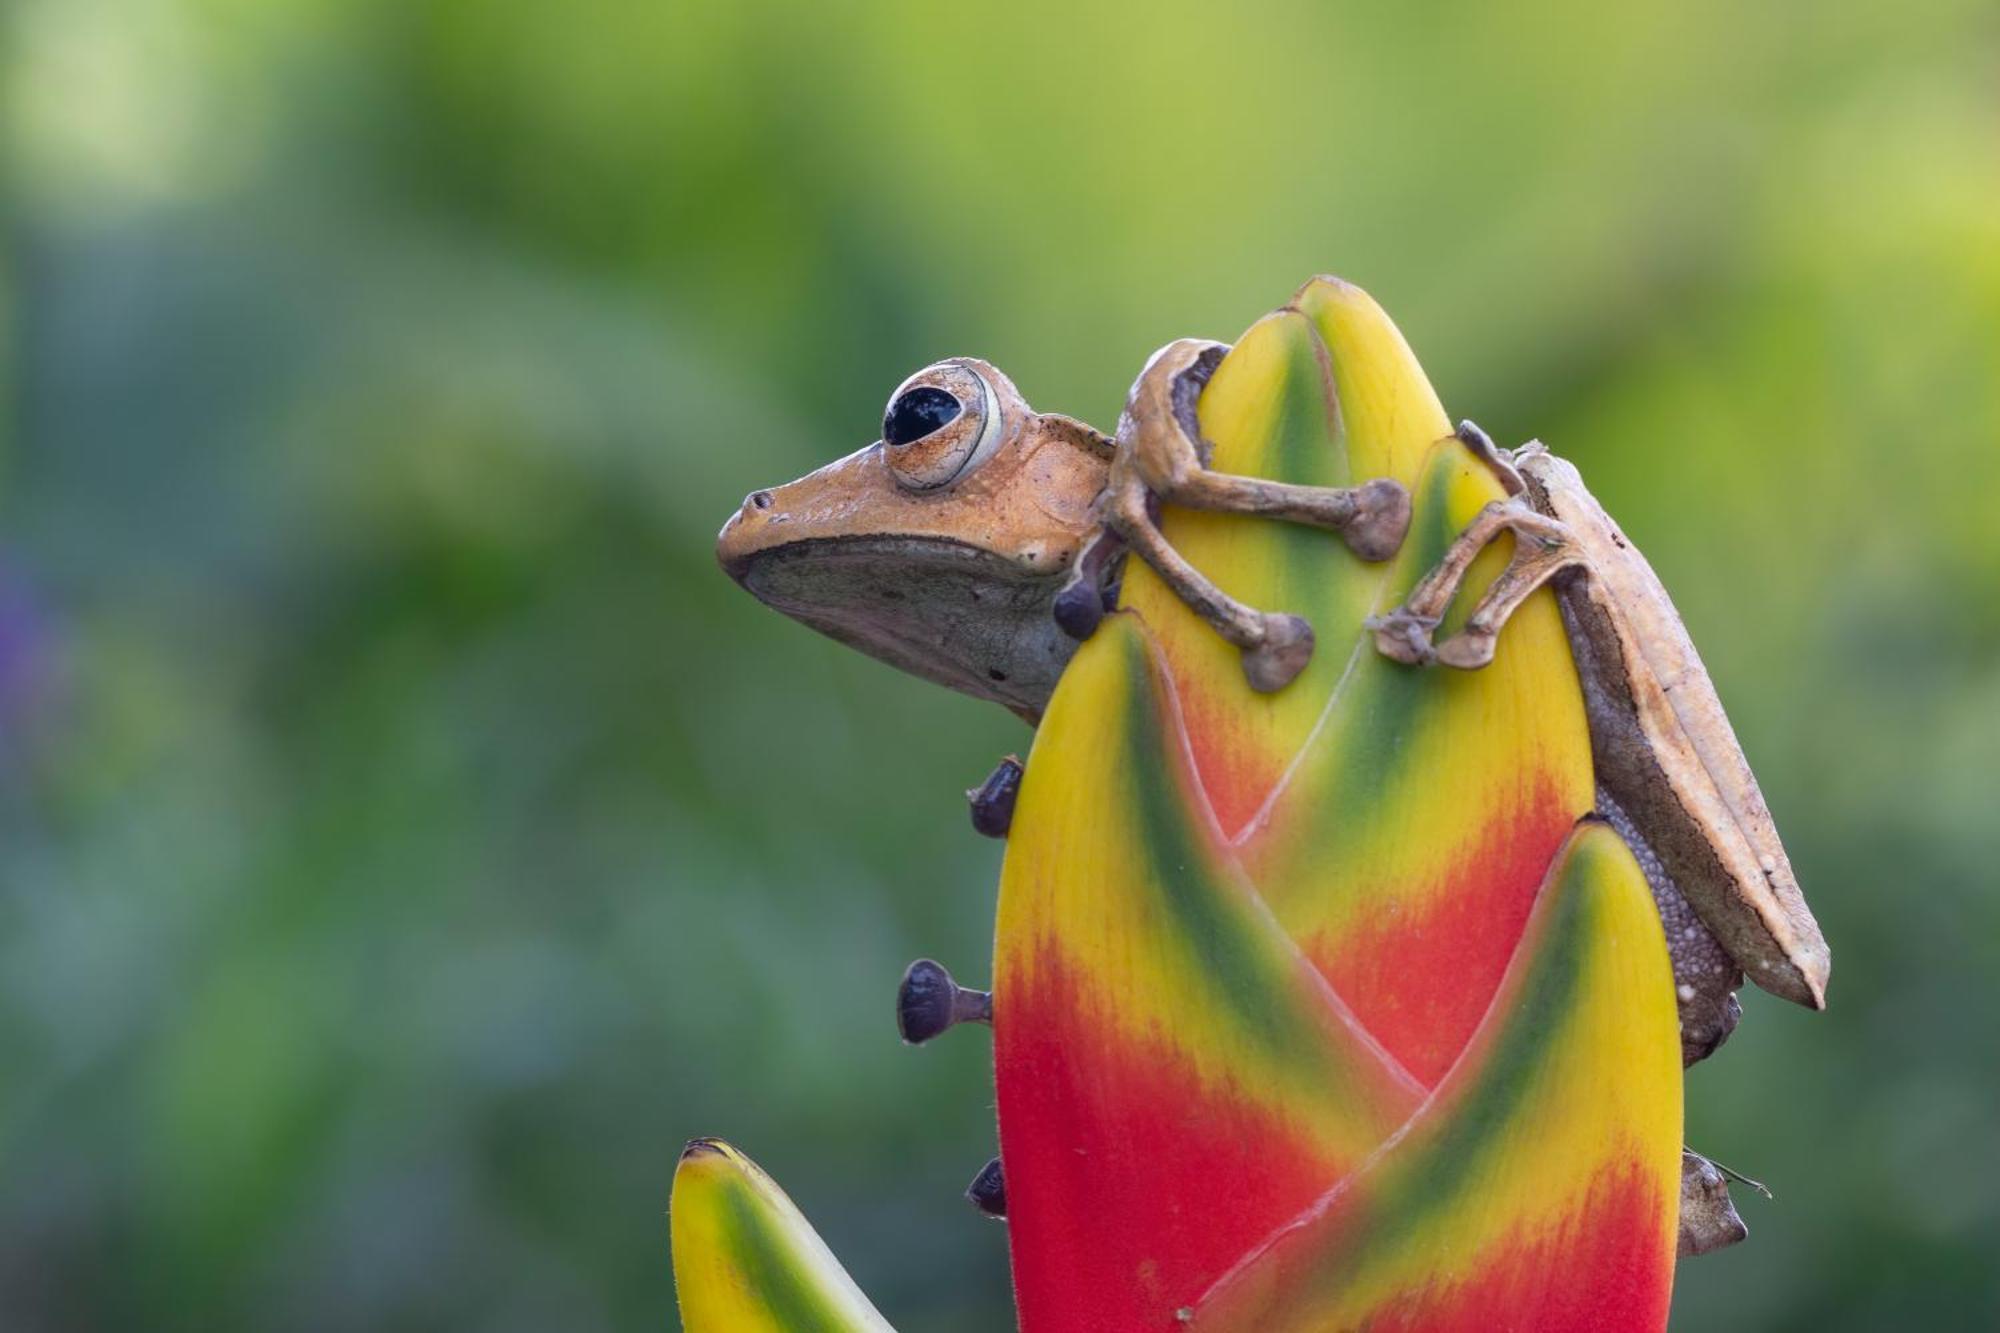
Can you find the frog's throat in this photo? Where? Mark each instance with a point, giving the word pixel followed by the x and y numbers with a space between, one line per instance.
pixel 966 618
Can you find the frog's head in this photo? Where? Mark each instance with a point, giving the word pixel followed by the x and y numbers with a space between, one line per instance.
pixel 939 548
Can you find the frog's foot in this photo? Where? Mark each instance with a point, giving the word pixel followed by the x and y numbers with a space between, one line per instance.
pixel 1542 549
pixel 1709 1220
pixel 1405 636
pixel 1704 1030
pixel 992 801
pixel 929 1003
pixel 1275 646
pixel 1495 459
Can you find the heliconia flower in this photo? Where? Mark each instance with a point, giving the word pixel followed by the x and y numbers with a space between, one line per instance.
pixel 1328 1009
pixel 1181 844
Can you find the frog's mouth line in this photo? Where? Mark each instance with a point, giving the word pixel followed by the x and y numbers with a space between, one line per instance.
pixel 753 569
pixel 939 609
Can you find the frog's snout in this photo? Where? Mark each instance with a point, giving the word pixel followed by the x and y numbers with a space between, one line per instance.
pixel 746 533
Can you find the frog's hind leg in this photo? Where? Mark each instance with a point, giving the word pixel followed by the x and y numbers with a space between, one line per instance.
pixel 1706 978
pixel 1542 549
pixel 1709 1220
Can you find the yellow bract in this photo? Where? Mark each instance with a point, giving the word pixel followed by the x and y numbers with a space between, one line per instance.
pixel 747 1261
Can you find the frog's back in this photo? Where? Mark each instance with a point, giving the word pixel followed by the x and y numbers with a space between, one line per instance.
pixel 1665 749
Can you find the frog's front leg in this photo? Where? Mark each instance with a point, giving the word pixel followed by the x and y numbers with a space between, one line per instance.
pixel 1160 456
pixel 1275 646
pixel 1160 434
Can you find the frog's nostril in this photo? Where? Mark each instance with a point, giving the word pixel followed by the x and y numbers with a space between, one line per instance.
pixel 760 499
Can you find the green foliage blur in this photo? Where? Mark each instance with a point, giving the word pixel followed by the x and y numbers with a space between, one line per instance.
pixel 408 837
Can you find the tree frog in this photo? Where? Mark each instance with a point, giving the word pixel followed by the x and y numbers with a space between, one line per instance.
pixel 976 539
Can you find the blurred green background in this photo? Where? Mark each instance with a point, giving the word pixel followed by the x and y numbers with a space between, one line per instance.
pixel 408 837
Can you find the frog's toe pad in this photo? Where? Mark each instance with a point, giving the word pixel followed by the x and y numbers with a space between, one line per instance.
pixel 1468 650
pixel 1403 636
pixel 1078 609
pixel 1276 662
pixel 1381 520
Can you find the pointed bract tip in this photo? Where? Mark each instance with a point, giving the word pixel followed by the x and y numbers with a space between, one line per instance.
pixel 1324 282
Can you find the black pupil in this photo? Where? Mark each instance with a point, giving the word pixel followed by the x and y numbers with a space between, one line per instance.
pixel 918 413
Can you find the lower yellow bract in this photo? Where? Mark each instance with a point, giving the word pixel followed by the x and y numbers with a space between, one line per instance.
pixel 1562 1131
pixel 747 1261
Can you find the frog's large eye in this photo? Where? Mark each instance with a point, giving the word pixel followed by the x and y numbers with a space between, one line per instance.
pixel 941 422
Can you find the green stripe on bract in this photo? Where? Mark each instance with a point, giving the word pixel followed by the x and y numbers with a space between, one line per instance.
pixel 1259 988
pixel 1314 572
pixel 1396 696
pixel 1359 759
pixel 1388 408
pixel 1193 887
pixel 1436 1180
pixel 770 1264
pixel 1307 447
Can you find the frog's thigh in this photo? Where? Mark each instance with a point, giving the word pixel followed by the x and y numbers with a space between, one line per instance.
pixel 1706 978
